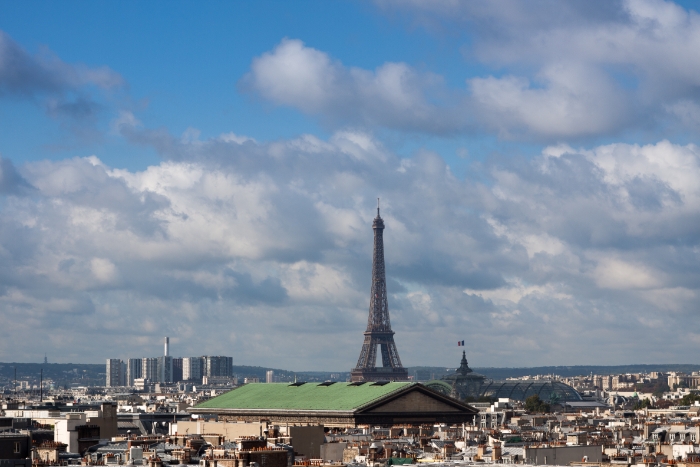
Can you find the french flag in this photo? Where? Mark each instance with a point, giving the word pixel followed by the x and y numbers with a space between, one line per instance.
pixel 460 343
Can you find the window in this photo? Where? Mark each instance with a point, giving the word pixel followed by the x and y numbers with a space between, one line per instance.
pixel 18 447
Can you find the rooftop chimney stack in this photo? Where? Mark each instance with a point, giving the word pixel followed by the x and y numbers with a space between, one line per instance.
pixel 167 346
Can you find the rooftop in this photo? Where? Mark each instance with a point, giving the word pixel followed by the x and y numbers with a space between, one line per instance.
pixel 303 396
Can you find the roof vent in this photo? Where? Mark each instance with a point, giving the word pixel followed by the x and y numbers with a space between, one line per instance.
pixel 357 383
pixel 299 383
pixel 327 383
pixel 381 383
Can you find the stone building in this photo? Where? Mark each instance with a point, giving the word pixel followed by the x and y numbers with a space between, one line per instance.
pixel 335 404
pixel 464 382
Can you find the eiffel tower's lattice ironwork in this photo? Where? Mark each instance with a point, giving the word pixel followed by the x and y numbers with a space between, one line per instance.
pixel 379 333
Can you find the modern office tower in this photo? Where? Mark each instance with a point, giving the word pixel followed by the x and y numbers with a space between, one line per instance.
pixel 270 376
pixel 114 373
pixel 165 369
pixel 133 370
pixel 217 366
pixel 192 369
pixel 149 369
pixel 177 369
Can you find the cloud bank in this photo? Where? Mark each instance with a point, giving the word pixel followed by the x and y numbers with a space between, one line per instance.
pixel 560 71
pixel 263 251
pixel 585 253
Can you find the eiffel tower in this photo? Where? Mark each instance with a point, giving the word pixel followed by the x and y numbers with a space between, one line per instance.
pixel 379 333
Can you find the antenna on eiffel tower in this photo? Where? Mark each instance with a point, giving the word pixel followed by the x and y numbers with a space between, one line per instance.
pixel 377 207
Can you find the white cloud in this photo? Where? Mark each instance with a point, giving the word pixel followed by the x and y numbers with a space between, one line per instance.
pixel 611 273
pixel 272 242
pixel 573 69
pixel 103 269
pixel 394 95
pixel 234 138
pixel 573 101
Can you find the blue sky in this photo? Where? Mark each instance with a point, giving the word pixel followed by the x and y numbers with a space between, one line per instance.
pixel 169 167
pixel 183 62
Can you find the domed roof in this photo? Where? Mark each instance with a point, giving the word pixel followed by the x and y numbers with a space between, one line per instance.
pixel 548 391
pixel 439 386
pixel 464 372
pixel 465 383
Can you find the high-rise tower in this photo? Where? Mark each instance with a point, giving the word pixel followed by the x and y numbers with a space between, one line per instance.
pixel 379 333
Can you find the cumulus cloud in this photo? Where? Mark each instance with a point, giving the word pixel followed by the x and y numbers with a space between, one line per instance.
pixel 263 251
pixel 572 101
pixel 570 70
pixel 394 95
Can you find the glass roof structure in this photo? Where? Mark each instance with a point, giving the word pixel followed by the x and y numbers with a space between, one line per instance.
pixel 548 391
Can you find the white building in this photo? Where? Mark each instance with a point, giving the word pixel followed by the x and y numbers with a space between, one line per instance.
pixel 192 368
pixel 67 429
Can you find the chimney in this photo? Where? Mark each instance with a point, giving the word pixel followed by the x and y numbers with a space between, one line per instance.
pixel 167 346
pixel 496 451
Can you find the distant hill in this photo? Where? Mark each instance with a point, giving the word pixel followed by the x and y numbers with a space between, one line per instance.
pixel 82 374
pixel 575 370
pixel 503 373
pixel 567 371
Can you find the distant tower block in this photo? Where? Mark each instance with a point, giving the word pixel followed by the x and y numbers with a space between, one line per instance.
pixel 167 346
pixel 379 333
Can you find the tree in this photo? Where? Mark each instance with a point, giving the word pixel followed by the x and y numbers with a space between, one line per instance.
pixel 642 404
pixel 663 404
pixel 689 399
pixel 536 405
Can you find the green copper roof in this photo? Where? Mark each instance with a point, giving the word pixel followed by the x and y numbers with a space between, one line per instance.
pixel 307 396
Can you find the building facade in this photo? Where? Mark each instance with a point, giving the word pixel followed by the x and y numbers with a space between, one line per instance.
pixel 133 370
pixel 114 372
pixel 192 368
pixel 177 369
pixel 149 369
pixel 165 369
pixel 217 366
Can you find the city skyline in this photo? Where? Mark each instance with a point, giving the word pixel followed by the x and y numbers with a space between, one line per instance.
pixel 209 172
